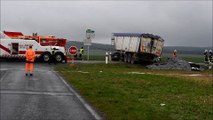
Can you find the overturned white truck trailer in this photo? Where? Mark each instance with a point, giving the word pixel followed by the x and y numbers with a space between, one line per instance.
pixel 137 47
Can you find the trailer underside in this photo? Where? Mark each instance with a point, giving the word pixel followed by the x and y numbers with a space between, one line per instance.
pixel 130 57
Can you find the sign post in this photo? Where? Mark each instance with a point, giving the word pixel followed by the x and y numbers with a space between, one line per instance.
pixel 73 51
pixel 88 41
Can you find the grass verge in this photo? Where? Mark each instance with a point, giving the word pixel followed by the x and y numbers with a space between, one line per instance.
pixel 187 57
pixel 123 91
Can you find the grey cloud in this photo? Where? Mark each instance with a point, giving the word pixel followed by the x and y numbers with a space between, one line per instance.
pixel 179 23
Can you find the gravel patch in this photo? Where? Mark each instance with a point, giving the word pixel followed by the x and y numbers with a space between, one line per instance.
pixel 171 64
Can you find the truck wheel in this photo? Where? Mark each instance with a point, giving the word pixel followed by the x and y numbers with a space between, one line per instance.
pixel 46 57
pixel 59 57
pixel 129 58
pixel 132 60
pixel 116 56
pixel 125 58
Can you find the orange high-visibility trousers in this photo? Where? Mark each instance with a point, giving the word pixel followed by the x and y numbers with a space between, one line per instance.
pixel 30 56
pixel 27 66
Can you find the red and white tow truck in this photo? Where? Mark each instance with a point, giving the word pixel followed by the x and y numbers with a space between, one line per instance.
pixel 15 44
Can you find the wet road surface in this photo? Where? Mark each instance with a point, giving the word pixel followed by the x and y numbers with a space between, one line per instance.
pixel 42 97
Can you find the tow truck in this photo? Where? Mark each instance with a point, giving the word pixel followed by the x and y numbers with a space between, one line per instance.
pixel 15 44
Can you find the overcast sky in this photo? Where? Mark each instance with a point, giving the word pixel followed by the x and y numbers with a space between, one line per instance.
pixel 180 23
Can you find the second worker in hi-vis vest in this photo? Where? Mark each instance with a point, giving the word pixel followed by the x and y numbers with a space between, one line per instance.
pixel 81 52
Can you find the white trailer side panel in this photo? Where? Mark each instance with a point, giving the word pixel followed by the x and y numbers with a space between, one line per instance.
pixel 126 42
pixel 156 48
pixel 159 47
pixel 129 44
pixel 145 45
pixel 134 44
pixel 118 43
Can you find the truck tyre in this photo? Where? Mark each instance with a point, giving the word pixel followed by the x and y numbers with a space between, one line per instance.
pixel 116 56
pixel 129 58
pixel 132 60
pixel 59 57
pixel 125 58
pixel 46 57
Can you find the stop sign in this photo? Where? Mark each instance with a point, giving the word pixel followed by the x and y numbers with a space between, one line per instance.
pixel 73 50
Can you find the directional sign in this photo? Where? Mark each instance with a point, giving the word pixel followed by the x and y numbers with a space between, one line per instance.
pixel 73 50
pixel 90 31
pixel 90 34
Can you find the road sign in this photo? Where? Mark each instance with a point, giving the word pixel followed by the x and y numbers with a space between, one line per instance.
pixel 90 31
pixel 73 50
pixel 87 42
pixel 90 34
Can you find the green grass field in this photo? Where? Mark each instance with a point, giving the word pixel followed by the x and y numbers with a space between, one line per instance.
pixel 130 92
pixel 187 57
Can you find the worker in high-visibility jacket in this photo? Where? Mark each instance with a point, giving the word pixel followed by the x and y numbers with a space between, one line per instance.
pixel 81 52
pixel 30 57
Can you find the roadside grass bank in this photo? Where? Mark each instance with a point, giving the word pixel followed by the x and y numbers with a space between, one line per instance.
pixel 92 57
pixel 187 57
pixel 124 91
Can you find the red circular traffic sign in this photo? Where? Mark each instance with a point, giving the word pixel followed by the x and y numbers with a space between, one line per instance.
pixel 73 50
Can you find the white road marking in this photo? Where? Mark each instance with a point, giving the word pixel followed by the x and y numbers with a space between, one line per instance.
pixel 4 75
pixel 86 105
pixel 36 93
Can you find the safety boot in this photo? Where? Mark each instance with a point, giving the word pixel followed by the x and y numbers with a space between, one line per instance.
pixel 31 74
pixel 26 74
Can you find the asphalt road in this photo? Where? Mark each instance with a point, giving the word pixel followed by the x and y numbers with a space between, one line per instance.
pixel 45 96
